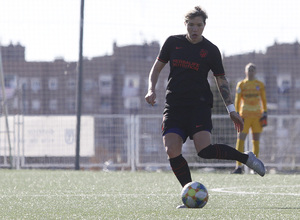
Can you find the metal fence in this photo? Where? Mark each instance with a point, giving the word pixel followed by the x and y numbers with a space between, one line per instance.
pixel 132 142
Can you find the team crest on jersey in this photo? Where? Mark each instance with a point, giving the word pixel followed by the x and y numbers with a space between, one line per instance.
pixel 257 88
pixel 203 53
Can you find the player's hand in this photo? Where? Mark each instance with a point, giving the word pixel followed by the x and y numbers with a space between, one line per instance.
pixel 237 120
pixel 264 119
pixel 151 97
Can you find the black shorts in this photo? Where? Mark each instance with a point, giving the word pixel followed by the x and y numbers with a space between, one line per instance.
pixel 186 121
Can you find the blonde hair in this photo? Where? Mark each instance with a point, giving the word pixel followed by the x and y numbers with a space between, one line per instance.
pixel 250 66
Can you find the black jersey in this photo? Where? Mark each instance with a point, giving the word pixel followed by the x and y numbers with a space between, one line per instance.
pixel 189 68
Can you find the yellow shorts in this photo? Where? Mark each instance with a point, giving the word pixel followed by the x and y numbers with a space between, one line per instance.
pixel 252 123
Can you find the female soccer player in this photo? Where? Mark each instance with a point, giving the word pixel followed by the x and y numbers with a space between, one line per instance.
pixel 189 100
pixel 251 104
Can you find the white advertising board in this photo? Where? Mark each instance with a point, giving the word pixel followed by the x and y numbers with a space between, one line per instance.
pixel 51 136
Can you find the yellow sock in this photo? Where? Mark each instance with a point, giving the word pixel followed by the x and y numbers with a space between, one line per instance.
pixel 255 147
pixel 240 147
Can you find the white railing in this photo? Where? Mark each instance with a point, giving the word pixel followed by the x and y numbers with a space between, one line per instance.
pixel 133 142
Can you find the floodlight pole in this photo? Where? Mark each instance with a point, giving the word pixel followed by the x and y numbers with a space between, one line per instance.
pixel 79 89
pixel 3 102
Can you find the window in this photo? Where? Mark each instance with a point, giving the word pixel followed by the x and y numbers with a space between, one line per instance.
pixel 284 82
pixel 53 83
pixel 35 84
pixel 131 86
pixel 105 84
pixel 23 83
pixel 10 86
pixel 10 81
pixel 70 105
pixel 71 84
pixel 36 104
pixel 105 103
pixel 131 92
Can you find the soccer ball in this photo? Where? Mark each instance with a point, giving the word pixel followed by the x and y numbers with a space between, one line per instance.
pixel 194 195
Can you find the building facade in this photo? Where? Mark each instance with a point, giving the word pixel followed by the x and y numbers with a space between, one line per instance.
pixel 117 84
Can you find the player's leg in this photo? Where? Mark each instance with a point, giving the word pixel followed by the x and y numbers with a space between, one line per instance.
pixel 255 143
pixel 173 138
pixel 256 131
pixel 215 151
pixel 200 132
pixel 240 146
pixel 225 152
pixel 173 145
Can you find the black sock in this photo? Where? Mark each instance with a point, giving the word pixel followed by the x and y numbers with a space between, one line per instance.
pixel 181 169
pixel 222 151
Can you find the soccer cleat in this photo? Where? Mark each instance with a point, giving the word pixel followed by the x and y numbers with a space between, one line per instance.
pixel 255 164
pixel 237 171
pixel 181 207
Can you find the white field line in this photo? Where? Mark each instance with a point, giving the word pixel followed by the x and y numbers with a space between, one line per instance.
pixel 91 195
pixel 229 190
pixel 239 190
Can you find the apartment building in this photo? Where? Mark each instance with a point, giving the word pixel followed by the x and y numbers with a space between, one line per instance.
pixel 117 83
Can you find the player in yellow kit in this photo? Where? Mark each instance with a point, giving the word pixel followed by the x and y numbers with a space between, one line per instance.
pixel 251 104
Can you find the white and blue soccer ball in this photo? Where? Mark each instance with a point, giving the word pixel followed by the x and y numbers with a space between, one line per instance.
pixel 194 195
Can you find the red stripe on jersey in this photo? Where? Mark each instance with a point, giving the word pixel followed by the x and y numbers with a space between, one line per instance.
pixel 220 74
pixel 162 60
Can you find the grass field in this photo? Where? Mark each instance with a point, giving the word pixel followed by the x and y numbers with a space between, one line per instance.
pixel 44 194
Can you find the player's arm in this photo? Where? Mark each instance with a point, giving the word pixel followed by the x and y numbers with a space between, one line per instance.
pixel 263 98
pixel 153 78
pixel 238 98
pixel 224 90
pixel 263 119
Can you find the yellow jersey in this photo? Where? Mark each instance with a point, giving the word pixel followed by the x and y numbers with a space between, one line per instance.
pixel 250 98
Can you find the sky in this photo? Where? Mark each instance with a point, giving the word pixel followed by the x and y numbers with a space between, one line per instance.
pixel 50 28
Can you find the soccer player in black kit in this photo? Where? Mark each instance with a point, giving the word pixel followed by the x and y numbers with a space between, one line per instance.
pixel 189 100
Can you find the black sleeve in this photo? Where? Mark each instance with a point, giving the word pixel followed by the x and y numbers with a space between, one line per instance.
pixel 217 64
pixel 164 54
